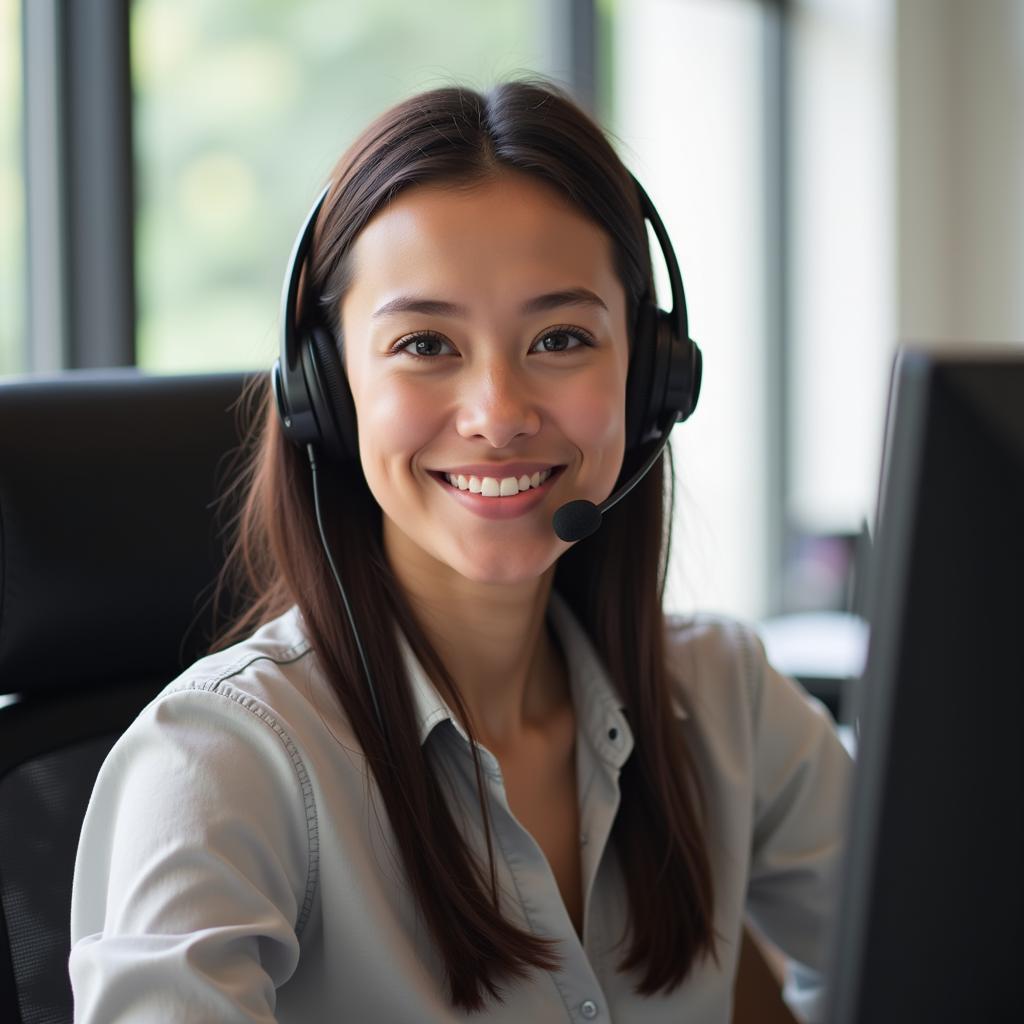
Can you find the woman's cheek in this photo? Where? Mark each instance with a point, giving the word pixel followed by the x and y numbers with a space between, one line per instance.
pixel 599 425
pixel 396 418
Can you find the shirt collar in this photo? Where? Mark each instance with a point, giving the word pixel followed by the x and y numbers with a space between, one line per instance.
pixel 600 715
pixel 429 707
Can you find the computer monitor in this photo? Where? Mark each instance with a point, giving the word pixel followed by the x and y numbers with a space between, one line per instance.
pixel 931 920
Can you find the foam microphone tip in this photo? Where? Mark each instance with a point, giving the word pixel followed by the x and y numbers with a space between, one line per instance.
pixel 576 520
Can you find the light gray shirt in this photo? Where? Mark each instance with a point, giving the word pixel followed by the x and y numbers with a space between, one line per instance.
pixel 234 866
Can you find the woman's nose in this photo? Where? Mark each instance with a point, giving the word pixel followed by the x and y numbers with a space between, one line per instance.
pixel 498 407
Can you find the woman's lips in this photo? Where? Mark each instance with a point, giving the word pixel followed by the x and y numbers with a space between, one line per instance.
pixel 500 508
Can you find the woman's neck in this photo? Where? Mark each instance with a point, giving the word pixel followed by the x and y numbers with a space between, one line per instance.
pixel 492 639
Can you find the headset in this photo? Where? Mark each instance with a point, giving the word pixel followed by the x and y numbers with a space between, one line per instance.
pixel 662 386
pixel 317 412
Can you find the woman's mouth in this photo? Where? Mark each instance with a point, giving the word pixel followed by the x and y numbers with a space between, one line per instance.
pixel 499 497
pixel 497 487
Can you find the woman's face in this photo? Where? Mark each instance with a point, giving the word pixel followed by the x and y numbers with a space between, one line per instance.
pixel 485 338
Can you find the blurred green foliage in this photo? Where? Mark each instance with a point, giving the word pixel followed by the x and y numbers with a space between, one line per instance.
pixel 241 109
pixel 12 193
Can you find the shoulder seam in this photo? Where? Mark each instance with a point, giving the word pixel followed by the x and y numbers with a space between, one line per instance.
pixel 288 656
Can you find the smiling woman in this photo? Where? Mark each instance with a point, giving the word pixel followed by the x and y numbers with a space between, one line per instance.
pixel 447 761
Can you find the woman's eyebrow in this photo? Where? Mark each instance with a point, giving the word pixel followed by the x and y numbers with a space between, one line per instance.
pixel 412 304
pixel 538 304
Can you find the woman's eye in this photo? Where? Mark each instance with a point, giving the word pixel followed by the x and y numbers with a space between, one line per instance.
pixel 422 345
pixel 561 340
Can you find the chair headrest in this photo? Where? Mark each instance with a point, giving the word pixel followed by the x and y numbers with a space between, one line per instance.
pixel 108 534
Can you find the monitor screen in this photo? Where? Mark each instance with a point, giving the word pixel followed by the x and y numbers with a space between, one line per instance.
pixel 931 916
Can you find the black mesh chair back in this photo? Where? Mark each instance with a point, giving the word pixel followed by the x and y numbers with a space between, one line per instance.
pixel 110 540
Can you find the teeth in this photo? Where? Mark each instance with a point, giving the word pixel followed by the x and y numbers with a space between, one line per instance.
pixel 492 487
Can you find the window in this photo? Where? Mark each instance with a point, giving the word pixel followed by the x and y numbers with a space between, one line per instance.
pixel 843 322
pixel 12 193
pixel 241 110
pixel 688 86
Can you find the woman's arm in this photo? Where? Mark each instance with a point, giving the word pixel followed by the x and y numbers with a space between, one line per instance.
pixel 194 866
pixel 802 774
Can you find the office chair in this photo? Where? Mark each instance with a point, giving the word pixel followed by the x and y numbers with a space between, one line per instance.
pixel 108 545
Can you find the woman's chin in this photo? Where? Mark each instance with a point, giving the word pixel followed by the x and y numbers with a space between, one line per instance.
pixel 506 567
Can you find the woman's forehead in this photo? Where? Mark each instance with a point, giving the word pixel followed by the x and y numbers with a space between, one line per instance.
pixel 509 224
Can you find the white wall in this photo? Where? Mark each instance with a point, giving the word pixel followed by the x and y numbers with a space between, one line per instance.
pixel 688 100
pixel 960 119
pixel 906 221
pixel 842 245
pixel 906 216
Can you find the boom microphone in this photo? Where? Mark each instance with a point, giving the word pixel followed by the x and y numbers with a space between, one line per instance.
pixel 578 519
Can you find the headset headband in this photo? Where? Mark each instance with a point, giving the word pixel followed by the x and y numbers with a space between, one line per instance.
pixel 315 403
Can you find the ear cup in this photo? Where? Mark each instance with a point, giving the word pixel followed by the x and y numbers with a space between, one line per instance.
pixel 292 400
pixel 685 369
pixel 330 395
pixel 664 376
pixel 639 380
pixel 675 383
pixel 657 413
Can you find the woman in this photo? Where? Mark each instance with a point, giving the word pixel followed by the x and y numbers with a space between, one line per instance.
pixel 462 767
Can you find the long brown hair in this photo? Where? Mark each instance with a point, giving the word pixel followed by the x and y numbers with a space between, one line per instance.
pixel 613 580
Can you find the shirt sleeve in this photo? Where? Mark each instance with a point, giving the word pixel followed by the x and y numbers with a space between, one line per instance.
pixel 193 866
pixel 802 776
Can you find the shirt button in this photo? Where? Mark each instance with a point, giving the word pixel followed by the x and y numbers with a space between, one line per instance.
pixel 589 1009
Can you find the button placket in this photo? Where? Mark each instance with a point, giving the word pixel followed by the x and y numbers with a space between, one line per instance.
pixel 534 884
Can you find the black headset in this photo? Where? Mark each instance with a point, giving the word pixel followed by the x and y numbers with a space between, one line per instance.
pixel 315 402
